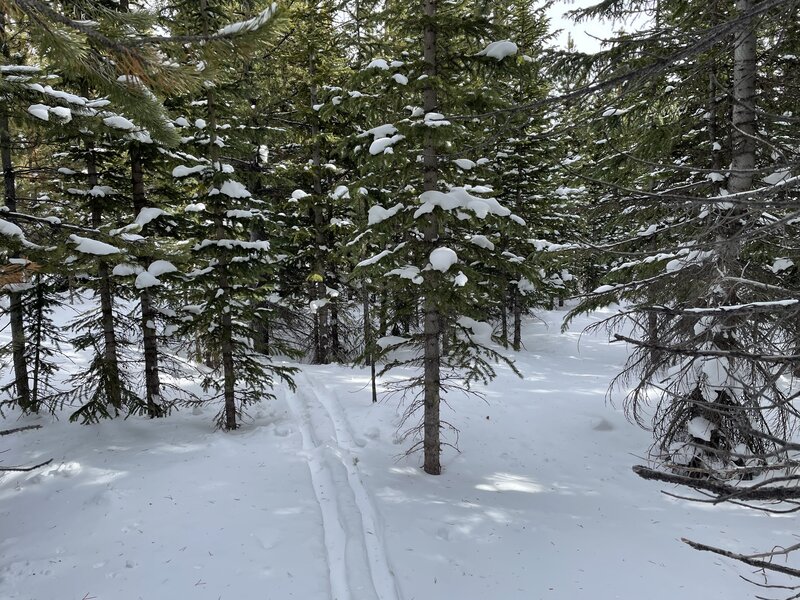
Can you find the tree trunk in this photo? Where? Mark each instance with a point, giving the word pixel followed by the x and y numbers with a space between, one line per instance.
pixel 432 323
pixel 517 343
pixel 319 289
pixel 226 323
pixel 21 384
pixel 744 91
pixel 336 347
pixel 504 317
pixel 110 352
pixel 223 281
pixel 150 342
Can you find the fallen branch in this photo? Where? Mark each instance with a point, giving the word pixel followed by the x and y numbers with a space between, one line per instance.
pixel 25 469
pixel 748 560
pixel 16 429
pixel 723 491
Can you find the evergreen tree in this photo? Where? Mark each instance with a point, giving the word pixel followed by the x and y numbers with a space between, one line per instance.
pixel 697 189
pixel 436 229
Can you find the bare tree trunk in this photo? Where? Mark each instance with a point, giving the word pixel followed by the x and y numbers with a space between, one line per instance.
pixel 744 91
pixel 432 324
pixel 383 310
pixel 223 281
pixel 319 289
pixel 21 384
pixel 110 351
pixel 150 342
pixel 517 343
pixel 504 317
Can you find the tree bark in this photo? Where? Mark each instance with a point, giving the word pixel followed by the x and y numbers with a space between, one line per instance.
pixel 21 383
pixel 504 317
pixel 744 91
pixel 149 339
pixel 432 322
pixel 223 280
pixel 110 352
pixel 319 289
pixel 517 343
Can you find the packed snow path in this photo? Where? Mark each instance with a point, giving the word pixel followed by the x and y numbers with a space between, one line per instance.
pixel 356 553
pixel 315 498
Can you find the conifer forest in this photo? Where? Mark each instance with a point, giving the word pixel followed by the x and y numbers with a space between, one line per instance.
pixel 395 300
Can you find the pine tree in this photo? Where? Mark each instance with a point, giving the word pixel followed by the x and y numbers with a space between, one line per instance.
pixel 434 255
pixel 700 283
pixel 231 278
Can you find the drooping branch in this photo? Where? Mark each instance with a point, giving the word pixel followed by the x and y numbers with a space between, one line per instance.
pixel 26 469
pixel 768 358
pixel 748 560
pixel 723 491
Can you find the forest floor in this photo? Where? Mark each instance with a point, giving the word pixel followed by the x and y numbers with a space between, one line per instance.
pixel 315 499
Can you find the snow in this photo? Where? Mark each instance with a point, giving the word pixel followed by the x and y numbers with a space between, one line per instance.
pixel 160 267
pixel 118 122
pixel 239 214
pixel 570 191
pixel 147 214
pixel 400 78
pixel 464 163
pixel 409 272
pixel 701 428
pixel 374 259
pixel 499 50
pixel 89 246
pixel 125 269
pixel 62 112
pixel 315 496
pixel 9 229
pixel 253 24
pixel 781 264
pixel 234 189
pixel 442 259
pixel 383 145
pixel 377 213
pixel 777 177
pixel 145 279
pixel 40 111
pixel 434 119
pixel 183 171
pixel 341 192
pixel 615 112
pixel 459 198
pixel 380 131
pixel 482 242
pixel 377 63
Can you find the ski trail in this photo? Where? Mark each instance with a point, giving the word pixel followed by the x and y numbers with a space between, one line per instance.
pixel 325 490
pixel 358 565
pixel 381 572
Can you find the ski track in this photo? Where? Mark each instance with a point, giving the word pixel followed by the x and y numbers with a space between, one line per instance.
pixel 358 565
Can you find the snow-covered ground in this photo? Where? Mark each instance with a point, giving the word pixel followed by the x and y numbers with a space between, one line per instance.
pixel 315 499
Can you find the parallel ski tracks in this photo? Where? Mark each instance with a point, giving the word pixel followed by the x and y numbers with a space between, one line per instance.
pixel 358 565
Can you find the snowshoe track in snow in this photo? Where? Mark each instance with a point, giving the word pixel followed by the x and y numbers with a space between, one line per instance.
pixel 358 565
